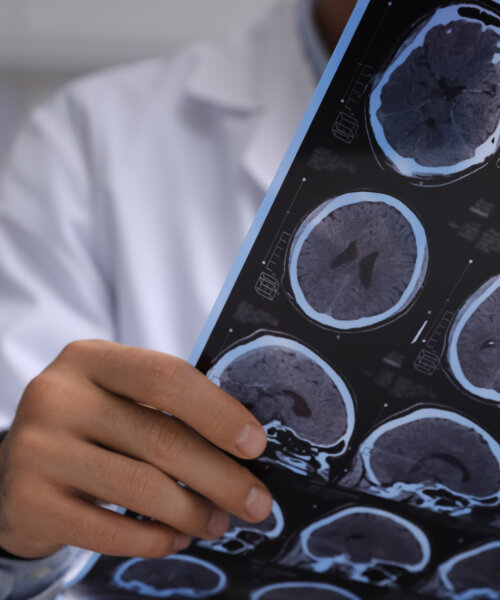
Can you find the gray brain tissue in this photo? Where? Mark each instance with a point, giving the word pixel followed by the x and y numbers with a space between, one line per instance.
pixel 435 111
pixel 358 260
pixel 303 403
pixel 474 349
pixel 433 458
pixel 361 540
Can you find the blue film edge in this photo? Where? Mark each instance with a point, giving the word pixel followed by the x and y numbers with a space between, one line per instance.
pixel 282 172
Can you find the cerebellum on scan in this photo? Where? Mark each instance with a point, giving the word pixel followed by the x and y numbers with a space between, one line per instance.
pixel 474 343
pixel 177 576
pixel 302 402
pixel 358 260
pixel 435 110
pixel 432 458
pixel 366 544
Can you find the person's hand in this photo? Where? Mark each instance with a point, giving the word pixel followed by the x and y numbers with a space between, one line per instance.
pixel 89 430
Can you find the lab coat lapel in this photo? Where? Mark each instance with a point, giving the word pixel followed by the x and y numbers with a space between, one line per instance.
pixel 285 103
pixel 276 86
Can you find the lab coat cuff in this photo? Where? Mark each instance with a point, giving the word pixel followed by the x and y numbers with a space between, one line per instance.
pixel 39 579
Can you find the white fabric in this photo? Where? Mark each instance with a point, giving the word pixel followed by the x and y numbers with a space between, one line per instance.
pixel 128 195
pixel 41 579
pixel 11 113
pixel 6 583
pixel 50 593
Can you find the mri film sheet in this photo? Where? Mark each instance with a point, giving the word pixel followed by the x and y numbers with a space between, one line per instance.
pixel 361 326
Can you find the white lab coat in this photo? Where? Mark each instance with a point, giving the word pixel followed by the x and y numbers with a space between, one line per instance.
pixel 128 195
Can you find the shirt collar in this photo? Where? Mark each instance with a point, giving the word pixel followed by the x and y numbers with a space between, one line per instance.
pixel 266 69
pixel 218 77
pixel 314 44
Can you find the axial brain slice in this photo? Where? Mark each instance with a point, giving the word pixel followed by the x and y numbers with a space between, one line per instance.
pixel 283 382
pixel 436 110
pixel 474 353
pixel 358 260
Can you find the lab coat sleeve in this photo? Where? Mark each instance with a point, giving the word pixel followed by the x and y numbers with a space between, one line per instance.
pixel 53 289
pixel 41 579
pixel 52 286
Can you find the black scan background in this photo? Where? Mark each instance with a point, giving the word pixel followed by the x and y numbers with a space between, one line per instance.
pixel 358 356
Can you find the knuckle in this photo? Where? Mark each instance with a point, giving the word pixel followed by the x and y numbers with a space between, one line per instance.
pixel 161 543
pixel 74 349
pixel 166 375
pixel 109 538
pixel 42 397
pixel 39 389
pixel 222 422
pixel 25 443
pixel 141 482
pixel 78 349
pixel 169 439
pixel 93 535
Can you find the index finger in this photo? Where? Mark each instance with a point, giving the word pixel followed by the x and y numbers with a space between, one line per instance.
pixel 171 385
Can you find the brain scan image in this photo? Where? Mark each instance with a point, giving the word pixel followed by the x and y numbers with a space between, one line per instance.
pixel 304 405
pixel 435 111
pixel 470 575
pixel 474 343
pixel 365 544
pixel 243 537
pixel 357 260
pixel 301 590
pixel 432 458
pixel 171 577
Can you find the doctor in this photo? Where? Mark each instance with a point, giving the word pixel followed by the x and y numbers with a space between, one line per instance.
pixel 122 209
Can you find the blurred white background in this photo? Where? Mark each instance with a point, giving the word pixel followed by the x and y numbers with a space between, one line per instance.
pixel 43 43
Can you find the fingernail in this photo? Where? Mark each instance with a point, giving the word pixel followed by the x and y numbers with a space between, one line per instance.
pixel 259 503
pixel 218 524
pixel 182 542
pixel 251 440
